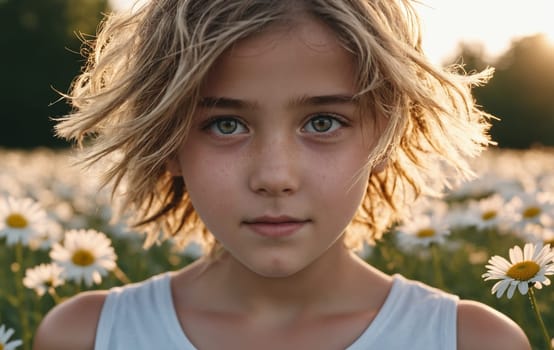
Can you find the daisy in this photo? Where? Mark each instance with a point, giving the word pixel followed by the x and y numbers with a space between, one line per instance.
pixel 21 220
pixel 5 335
pixel 43 277
pixel 422 230
pixel 532 208
pixel 486 213
pixel 52 233
pixel 527 267
pixel 85 255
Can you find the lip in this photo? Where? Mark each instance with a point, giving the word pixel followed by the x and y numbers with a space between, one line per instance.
pixel 275 226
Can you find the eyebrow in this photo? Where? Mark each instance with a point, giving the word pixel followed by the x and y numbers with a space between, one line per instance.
pixel 319 100
pixel 225 102
pixel 324 100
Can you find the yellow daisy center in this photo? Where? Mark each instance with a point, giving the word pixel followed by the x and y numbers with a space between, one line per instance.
pixel 426 232
pixel 16 220
pixel 1 346
pixel 488 215
pixel 523 271
pixel 549 241
pixel 531 212
pixel 82 257
pixel 49 282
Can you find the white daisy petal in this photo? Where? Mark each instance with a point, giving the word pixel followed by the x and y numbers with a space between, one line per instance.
pixel 500 262
pixel 544 255
pixel 528 251
pixel 516 255
pixel 496 270
pixel 501 287
pixel 5 335
pixel 511 290
pixel 523 288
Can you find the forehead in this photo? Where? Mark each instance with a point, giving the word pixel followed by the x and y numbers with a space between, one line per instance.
pixel 305 54
pixel 306 31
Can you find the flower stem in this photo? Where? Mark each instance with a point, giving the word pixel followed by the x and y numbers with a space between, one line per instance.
pixel 533 300
pixel 54 295
pixel 121 276
pixel 25 330
pixel 437 265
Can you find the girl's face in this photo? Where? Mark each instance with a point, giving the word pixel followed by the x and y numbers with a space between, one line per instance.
pixel 275 161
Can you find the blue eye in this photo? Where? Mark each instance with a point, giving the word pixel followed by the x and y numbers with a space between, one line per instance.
pixel 323 123
pixel 225 126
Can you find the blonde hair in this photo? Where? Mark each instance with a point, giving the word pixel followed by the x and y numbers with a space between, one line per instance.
pixel 139 90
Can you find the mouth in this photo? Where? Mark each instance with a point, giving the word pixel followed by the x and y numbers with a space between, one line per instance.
pixel 275 226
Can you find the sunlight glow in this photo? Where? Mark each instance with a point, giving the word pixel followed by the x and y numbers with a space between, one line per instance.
pixel 492 23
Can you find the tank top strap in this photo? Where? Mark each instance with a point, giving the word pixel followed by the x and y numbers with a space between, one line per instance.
pixel 141 315
pixel 414 316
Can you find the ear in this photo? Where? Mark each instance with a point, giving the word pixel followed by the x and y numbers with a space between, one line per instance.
pixel 173 165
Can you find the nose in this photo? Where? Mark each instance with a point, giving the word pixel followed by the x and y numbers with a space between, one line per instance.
pixel 274 167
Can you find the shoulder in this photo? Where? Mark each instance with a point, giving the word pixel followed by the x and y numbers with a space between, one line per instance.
pixel 482 327
pixel 71 324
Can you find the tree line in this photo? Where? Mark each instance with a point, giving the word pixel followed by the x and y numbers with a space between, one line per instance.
pixel 521 92
pixel 40 54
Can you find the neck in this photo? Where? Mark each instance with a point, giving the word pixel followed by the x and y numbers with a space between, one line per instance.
pixel 326 279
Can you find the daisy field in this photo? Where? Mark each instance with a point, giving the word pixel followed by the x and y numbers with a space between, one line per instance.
pixel 57 238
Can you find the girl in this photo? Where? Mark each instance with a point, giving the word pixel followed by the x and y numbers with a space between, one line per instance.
pixel 287 133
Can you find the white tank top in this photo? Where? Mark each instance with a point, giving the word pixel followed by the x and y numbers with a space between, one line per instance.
pixel 142 316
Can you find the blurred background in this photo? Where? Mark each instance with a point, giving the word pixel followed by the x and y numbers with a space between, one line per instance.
pixel 41 55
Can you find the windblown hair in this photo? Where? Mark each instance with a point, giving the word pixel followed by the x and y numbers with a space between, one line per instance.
pixel 138 94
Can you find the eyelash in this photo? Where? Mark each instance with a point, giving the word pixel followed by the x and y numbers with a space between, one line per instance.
pixel 334 118
pixel 211 125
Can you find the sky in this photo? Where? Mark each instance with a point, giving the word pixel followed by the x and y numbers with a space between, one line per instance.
pixel 491 23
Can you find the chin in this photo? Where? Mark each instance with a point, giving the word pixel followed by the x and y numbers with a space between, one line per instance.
pixel 276 269
pixel 275 274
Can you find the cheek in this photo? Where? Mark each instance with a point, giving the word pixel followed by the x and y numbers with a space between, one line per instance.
pixel 343 185
pixel 211 183
pixel 201 167
pixel 355 188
